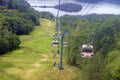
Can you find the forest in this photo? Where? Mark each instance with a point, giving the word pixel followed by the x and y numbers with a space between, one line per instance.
pixel 17 18
pixel 106 41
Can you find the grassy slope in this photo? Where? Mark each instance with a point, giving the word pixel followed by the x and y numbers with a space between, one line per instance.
pixel 34 60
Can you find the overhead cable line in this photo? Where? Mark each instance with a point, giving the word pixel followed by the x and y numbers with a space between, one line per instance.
pixel 57 20
pixel 85 11
pixel 85 6
pixel 91 7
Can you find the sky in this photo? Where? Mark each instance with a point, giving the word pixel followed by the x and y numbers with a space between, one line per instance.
pixel 102 6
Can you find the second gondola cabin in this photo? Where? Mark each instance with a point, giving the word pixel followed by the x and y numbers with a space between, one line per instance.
pixel 65 44
pixel 55 43
pixel 87 51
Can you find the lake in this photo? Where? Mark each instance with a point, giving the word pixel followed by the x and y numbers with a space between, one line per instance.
pixel 99 8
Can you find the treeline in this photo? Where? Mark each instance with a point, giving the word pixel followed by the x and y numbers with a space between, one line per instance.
pixel 8 41
pixel 16 18
pixel 46 15
pixel 106 41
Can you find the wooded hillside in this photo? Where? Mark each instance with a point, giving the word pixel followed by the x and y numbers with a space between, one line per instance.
pixel 16 18
pixel 106 41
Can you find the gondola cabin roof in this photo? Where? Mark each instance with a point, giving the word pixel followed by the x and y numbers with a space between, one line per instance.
pixel 87 46
pixel 55 41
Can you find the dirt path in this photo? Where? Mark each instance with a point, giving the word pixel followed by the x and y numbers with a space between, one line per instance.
pixel 37 65
pixel 49 24
pixel 28 74
pixel 45 58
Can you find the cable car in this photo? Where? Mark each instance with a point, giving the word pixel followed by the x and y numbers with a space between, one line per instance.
pixel 87 51
pixel 65 44
pixel 55 43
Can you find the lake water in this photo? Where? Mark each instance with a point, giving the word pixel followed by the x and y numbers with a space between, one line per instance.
pixel 99 8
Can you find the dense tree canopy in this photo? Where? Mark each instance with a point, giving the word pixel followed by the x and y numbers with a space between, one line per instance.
pixel 106 42
pixel 16 17
pixel 8 41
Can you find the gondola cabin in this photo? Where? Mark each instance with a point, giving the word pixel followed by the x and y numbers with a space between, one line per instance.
pixel 55 43
pixel 87 51
pixel 65 44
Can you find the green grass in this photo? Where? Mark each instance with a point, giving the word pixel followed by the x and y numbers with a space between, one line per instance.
pixel 34 60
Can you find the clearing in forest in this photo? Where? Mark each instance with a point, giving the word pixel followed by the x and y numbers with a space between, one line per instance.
pixel 34 60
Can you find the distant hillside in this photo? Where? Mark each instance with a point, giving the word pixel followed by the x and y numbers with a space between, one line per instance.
pixel 69 7
pixel 89 1
pixel 93 1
